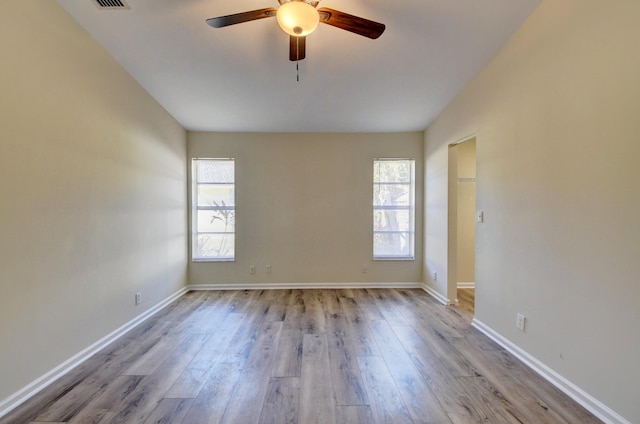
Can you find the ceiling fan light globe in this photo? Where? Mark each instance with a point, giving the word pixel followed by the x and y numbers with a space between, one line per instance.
pixel 297 18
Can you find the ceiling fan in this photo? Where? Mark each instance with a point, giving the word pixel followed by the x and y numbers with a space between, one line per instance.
pixel 299 18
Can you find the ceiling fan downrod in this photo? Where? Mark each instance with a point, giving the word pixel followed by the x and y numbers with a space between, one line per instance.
pixel 297 59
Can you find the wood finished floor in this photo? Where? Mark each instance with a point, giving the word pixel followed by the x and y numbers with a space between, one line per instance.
pixel 302 356
pixel 467 300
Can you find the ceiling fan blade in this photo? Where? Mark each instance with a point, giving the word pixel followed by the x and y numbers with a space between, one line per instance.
pixel 238 18
pixel 351 23
pixel 297 47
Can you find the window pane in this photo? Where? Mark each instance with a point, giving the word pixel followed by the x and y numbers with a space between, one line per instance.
pixel 216 195
pixel 393 171
pixel 215 171
pixel 215 246
pixel 216 221
pixel 393 245
pixel 391 194
pixel 391 220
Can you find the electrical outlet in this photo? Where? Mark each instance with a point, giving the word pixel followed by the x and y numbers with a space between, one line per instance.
pixel 252 269
pixel 435 276
pixel 520 322
pixel 267 269
pixel 363 269
pixel 138 298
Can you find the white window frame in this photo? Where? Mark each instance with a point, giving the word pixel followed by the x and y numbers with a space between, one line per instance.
pixel 409 233
pixel 224 209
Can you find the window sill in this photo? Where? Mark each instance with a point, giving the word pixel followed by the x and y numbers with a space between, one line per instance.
pixel 212 260
pixel 393 258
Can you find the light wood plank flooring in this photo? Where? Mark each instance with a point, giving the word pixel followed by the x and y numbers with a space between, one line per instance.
pixel 302 356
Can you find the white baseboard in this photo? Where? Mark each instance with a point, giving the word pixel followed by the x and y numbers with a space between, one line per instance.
pixel 440 298
pixel 466 284
pixel 279 286
pixel 14 400
pixel 589 402
pixel 592 404
pixel 17 398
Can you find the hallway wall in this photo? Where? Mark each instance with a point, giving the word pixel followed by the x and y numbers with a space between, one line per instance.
pixel 466 213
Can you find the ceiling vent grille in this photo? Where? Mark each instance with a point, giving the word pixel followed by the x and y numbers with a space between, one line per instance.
pixel 112 4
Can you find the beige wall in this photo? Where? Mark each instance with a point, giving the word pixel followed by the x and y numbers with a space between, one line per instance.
pixel 304 206
pixel 556 118
pixel 93 208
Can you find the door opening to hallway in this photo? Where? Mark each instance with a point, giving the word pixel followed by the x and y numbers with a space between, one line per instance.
pixel 462 230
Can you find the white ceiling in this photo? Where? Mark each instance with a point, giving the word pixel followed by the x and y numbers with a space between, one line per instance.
pixel 239 78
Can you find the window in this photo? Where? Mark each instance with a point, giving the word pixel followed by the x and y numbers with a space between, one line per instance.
pixel 393 208
pixel 214 209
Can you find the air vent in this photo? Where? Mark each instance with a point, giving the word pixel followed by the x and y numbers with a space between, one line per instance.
pixel 111 4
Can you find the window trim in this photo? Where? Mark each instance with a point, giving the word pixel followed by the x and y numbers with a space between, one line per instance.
pixel 411 207
pixel 195 208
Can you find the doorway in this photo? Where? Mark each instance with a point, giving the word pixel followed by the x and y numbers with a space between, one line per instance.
pixel 462 223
